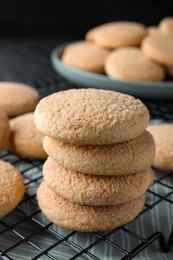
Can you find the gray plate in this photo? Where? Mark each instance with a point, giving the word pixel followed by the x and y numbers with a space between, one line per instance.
pixel 149 90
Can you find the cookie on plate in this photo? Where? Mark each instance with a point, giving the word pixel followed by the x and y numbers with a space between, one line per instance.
pixel 90 189
pixel 163 137
pixel 17 98
pixel 85 56
pixel 151 30
pixel 159 48
pixel 118 159
pixel 11 187
pixel 91 116
pixel 4 129
pixel 166 25
pixel 117 34
pixel 131 64
pixel 83 218
pixel 89 36
pixel 25 139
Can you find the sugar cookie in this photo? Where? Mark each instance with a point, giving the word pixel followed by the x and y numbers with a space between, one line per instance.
pixel 85 56
pixel 166 25
pixel 25 139
pixel 17 98
pixel 117 34
pixel 11 187
pixel 131 64
pixel 119 159
pixel 86 218
pixel 159 48
pixel 163 137
pixel 90 189
pixel 91 116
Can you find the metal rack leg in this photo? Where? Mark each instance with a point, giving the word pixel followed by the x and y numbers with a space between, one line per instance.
pixel 165 246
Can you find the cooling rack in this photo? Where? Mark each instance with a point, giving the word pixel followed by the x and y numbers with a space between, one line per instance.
pixel 26 233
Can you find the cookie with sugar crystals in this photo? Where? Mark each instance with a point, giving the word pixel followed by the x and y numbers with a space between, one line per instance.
pixel 86 218
pixel 12 187
pixel 17 98
pixel 91 116
pixel 159 48
pixel 162 134
pixel 131 64
pixel 25 139
pixel 117 34
pixel 118 159
pixel 4 129
pixel 95 190
pixel 85 56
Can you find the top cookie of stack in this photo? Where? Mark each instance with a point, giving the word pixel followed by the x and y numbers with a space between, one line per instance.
pixel 91 116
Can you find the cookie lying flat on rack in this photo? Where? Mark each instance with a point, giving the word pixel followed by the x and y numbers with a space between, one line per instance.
pixel 90 189
pixel 86 218
pixel 117 34
pixel 118 159
pixel 11 187
pixel 4 129
pixel 131 64
pixel 17 98
pixel 91 116
pixel 25 139
pixel 85 56
pixel 163 137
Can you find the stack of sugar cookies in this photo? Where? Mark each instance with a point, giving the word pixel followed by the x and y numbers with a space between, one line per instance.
pixel 100 155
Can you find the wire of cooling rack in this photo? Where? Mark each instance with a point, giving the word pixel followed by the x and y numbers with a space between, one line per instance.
pixel 25 233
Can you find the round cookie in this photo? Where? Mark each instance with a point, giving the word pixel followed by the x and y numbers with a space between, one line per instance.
pixel 4 130
pixel 119 159
pixel 166 25
pixel 85 56
pixel 86 218
pixel 11 187
pixel 163 138
pixel 117 34
pixel 90 189
pixel 25 139
pixel 17 98
pixel 91 116
pixel 131 64
pixel 90 35
pixel 159 48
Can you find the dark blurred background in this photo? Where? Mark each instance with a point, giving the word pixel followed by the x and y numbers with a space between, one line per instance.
pixel 30 29
pixel 53 18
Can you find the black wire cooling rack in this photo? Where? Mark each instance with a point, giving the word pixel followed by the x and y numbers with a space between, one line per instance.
pixel 26 234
